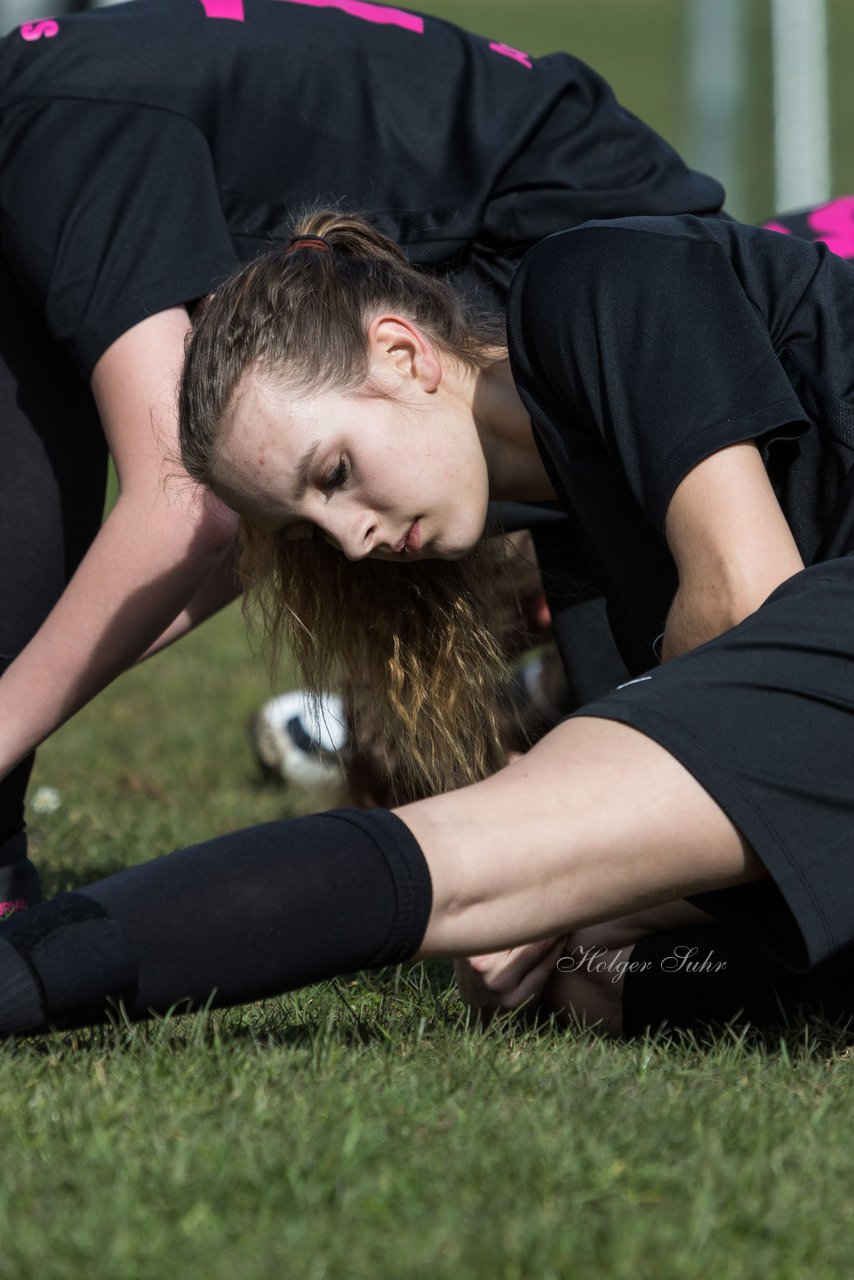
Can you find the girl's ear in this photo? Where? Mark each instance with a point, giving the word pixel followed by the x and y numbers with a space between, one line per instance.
pixel 400 352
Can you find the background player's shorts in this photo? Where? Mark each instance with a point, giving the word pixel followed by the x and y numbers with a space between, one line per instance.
pixel 763 717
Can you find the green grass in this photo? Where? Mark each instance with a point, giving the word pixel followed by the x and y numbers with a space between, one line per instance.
pixel 361 1129
pixel 370 1134
pixel 160 760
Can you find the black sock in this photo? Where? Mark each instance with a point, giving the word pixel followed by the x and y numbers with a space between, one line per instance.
pixel 711 975
pixel 248 915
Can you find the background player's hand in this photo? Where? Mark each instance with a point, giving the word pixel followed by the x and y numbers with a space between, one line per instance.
pixel 507 979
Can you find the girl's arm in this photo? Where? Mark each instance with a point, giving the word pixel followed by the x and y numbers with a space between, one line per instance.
pixel 219 589
pixel 731 544
pixel 158 545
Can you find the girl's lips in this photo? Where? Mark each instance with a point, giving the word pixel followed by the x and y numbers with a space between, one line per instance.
pixel 412 541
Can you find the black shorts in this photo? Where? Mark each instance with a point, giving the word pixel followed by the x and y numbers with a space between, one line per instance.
pixel 763 717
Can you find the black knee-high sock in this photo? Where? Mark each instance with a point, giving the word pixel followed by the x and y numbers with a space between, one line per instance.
pixel 248 915
pixel 710 975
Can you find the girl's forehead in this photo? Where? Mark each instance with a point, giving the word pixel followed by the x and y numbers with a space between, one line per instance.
pixel 267 398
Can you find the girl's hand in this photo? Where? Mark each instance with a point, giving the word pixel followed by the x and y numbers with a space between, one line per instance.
pixel 587 982
pixel 507 979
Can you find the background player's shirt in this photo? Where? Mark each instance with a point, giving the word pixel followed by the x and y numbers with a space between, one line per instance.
pixel 643 346
pixel 148 148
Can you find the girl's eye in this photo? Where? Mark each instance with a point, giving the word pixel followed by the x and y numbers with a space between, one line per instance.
pixel 338 476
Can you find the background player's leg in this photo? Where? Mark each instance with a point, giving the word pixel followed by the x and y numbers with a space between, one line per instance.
pixel 52 480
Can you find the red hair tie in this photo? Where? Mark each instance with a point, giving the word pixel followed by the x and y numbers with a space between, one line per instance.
pixel 308 242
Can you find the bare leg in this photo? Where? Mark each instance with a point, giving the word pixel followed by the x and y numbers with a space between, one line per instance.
pixel 596 821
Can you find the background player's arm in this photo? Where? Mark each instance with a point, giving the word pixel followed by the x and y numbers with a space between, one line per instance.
pixel 159 544
pixel 219 589
pixel 731 544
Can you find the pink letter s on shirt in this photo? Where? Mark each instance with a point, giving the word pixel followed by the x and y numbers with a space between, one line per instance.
pixel 45 27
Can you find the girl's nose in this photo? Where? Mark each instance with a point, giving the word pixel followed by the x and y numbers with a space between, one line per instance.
pixel 355 536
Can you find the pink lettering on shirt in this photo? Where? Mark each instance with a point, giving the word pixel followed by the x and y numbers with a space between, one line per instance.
pixel 370 13
pixel 45 28
pixel 232 9
pixel 776 226
pixel 833 225
pixel 508 51
pixel 12 907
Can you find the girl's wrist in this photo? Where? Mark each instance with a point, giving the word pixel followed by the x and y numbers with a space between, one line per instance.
pixel 13 749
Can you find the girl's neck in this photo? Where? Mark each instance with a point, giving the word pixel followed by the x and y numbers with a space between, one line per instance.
pixel 516 471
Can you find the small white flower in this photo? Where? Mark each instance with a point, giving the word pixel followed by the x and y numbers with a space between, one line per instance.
pixel 46 800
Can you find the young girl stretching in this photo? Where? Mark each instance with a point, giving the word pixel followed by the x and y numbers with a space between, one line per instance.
pixel 689 391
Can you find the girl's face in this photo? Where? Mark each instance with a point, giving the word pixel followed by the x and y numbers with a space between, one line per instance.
pixel 396 476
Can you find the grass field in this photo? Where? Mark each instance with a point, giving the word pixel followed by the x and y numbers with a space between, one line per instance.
pixel 360 1129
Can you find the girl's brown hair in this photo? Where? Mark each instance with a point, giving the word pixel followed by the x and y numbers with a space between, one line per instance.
pixel 413 638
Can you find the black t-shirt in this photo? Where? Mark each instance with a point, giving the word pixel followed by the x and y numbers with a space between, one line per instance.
pixel 148 148
pixel 641 347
